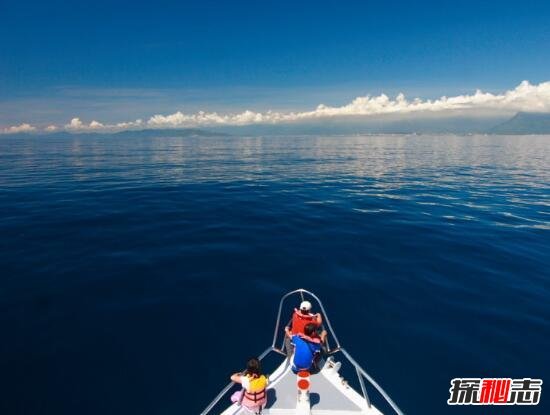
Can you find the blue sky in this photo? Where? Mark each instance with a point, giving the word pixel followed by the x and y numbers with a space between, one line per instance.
pixel 119 60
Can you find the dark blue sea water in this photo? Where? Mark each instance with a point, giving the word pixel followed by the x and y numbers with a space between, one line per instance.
pixel 138 274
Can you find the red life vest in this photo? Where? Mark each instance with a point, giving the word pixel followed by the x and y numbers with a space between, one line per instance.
pixel 256 398
pixel 299 321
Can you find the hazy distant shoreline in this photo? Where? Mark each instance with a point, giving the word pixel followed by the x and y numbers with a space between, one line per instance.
pixel 521 123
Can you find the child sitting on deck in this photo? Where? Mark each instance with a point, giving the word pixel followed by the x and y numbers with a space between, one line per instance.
pixel 253 395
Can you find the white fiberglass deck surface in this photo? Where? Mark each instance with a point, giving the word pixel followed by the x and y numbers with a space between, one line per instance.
pixel 328 395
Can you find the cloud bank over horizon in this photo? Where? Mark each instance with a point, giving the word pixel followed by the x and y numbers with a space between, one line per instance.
pixel 525 97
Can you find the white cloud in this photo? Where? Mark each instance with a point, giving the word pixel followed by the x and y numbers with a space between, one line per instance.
pixel 525 97
pixel 51 128
pixel 78 125
pixel 75 124
pixel 95 125
pixel 128 125
pixel 22 128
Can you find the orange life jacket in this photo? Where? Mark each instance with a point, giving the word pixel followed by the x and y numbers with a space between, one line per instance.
pixel 299 321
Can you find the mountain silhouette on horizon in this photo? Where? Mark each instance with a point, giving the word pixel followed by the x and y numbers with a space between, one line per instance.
pixel 525 123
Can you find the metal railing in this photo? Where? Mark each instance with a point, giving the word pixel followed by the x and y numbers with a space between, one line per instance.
pixel 362 374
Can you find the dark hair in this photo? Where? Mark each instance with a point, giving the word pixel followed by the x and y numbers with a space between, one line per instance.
pixel 253 367
pixel 309 329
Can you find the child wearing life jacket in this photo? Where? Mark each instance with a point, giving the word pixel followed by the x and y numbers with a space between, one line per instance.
pixel 304 316
pixel 300 318
pixel 253 396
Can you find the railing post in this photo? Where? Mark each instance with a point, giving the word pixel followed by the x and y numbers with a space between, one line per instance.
pixel 363 388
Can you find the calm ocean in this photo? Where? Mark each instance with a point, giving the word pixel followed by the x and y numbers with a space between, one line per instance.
pixel 138 274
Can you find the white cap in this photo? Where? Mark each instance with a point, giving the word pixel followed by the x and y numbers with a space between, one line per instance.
pixel 305 305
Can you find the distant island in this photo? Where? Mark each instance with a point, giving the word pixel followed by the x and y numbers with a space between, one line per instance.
pixel 145 133
pixel 523 123
pixel 169 132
